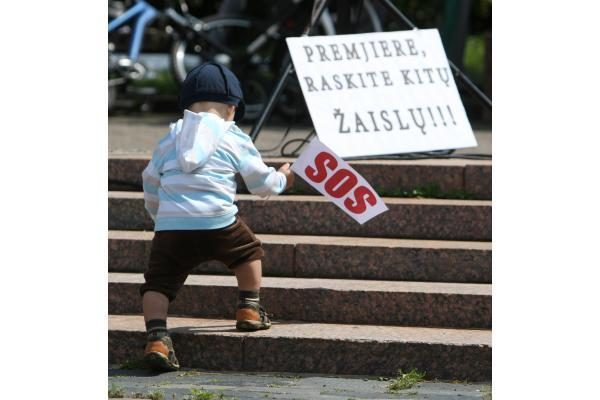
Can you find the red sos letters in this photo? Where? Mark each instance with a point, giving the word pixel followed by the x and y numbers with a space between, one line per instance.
pixel 334 178
pixel 342 183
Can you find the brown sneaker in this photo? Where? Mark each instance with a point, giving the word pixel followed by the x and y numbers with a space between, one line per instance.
pixel 160 356
pixel 251 317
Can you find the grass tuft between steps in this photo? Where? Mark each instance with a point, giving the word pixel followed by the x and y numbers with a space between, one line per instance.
pixel 115 392
pixel 405 380
pixel 429 192
pixel 154 395
pixel 201 394
pixel 425 192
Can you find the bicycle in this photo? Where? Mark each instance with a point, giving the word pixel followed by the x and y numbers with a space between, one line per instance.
pixel 178 24
pixel 122 70
pixel 139 14
pixel 256 49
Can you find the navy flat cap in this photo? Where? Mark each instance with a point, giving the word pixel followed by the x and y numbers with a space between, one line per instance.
pixel 212 82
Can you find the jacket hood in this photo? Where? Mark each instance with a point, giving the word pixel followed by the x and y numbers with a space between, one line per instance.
pixel 197 137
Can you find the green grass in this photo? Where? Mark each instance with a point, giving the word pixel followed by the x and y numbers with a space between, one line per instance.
pixel 156 395
pixel 474 57
pixel 163 82
pixel 115 392
pixel 201 394
pixel 294 377
pixel 429 192
pixel 184 374
pixel 405 381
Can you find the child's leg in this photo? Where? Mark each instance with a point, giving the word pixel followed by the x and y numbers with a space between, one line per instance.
pixel 155 305
pixel 163 280
pixel 159 353
pixel 250 315
pixel 249 275
pixel 239 248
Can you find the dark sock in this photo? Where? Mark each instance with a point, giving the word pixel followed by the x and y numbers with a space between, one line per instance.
pixel 156 329
pixel 248 298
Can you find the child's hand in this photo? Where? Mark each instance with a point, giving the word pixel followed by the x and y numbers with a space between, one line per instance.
pixel 289 175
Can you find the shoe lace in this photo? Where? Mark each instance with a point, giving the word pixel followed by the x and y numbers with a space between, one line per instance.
pixel 263 313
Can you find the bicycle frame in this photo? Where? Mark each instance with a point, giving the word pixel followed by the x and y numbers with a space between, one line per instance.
pixel 143 13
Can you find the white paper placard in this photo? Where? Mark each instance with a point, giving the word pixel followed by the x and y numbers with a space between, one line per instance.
pixel 338 181
pixel 381 93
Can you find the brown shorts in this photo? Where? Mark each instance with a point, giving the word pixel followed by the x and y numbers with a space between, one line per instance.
pixel 175 253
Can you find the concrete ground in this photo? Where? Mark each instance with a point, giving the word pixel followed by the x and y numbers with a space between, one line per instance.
pixel 201 385
pixel 139 135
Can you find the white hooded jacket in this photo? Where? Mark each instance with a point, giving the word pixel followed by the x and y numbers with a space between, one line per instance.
pixel 189 184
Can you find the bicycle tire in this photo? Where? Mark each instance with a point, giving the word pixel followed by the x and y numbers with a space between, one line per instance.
pixel 212 25
pixel 254 84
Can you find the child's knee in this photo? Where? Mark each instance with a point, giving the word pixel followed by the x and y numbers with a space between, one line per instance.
pixel 169 291
pixel 247 264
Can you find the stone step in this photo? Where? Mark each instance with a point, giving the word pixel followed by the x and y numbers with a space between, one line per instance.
pixel 344 301
pixel 431 219
pixel 388 177
pixel 313 348
pixel 335 257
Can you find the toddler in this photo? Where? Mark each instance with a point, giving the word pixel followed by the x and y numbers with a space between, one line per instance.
pixel 189 189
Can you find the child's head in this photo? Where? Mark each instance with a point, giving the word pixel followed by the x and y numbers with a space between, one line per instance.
pixel 212 87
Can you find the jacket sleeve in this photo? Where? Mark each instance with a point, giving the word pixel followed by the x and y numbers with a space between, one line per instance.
pixel 151 182
pixel 259 178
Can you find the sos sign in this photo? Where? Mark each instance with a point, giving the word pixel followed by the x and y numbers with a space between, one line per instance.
pixel 338 181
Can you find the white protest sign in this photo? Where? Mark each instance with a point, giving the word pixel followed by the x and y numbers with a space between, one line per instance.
pixel 334 178
pixel 381 93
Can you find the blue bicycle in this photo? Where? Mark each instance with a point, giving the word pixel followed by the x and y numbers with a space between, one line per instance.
pixel 212 38
pixel 134 20
pixel 122 70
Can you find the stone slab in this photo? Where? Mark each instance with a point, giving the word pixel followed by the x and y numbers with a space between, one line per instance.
pixel 314 348
pixel 125 173
pixel 344 301
pixel 478 181
pixel 430 219
pixel 335 257
pixel 386 176
pixel 213 351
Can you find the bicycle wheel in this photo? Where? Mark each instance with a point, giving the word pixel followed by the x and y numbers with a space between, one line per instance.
pixel 235 42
